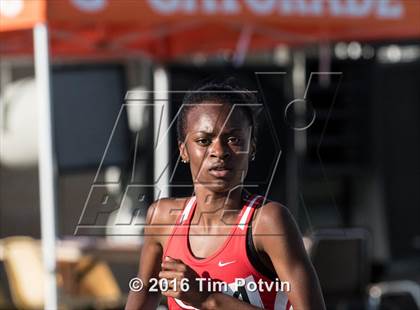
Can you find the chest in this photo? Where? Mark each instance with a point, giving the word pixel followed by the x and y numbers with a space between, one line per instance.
pixel 204 244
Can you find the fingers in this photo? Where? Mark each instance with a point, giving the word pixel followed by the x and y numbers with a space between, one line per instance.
pixel 171 275
pixel 173 264
pixel 171 293
pixel 173 282
pixel 171 260
pixel 173 269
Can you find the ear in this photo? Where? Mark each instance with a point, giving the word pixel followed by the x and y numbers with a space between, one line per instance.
pixel 183 151
pixel 252 150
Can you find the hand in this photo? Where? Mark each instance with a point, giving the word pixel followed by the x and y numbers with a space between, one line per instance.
pixel 176 269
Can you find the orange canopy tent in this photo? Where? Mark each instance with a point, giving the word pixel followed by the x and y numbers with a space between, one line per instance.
pixel 164 29
pixel 167 29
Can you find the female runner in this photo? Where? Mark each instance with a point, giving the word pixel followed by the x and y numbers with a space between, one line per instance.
pixel 202 246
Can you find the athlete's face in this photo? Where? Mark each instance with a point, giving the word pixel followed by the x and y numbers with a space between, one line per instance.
pixel 217 146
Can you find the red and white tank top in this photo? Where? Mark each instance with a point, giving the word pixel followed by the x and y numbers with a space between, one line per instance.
pixel 229 264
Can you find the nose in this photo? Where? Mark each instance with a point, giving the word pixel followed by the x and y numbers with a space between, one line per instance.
pixel 219 149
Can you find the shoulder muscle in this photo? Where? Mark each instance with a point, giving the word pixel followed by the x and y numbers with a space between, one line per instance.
pixel 161 217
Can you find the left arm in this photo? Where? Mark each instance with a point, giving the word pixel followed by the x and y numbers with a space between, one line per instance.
pixel 276 233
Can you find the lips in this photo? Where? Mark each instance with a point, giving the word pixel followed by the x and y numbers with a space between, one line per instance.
pixel 219 170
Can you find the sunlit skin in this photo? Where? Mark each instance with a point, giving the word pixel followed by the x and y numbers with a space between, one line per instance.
pixel 218 135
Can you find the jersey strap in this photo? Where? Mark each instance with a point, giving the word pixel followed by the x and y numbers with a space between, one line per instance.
pixel 254 201
pixel 187 210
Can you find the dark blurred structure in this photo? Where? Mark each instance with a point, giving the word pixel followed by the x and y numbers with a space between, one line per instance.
pixel 341 258
pixel 87 102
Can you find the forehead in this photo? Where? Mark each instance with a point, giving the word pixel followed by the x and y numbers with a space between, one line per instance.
pixel 212 116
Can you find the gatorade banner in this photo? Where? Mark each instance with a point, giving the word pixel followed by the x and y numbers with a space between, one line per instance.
pixel 170 28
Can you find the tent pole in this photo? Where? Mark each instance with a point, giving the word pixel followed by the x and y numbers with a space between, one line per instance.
pixel 296 155
pixel 161 134
pixel 5 73
pixel 46 164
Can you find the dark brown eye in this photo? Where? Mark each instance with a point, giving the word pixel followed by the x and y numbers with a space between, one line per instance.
pixel 234 140
pixel 203 142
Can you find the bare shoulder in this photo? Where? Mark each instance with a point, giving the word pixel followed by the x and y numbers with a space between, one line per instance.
pixel 161 217
pixel 165 211
pixel 275 228
pixel 272 215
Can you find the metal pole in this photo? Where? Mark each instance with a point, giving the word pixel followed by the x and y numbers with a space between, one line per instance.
pixel 46 164
pixel 5 73
pixel 161 134
pixel 299 137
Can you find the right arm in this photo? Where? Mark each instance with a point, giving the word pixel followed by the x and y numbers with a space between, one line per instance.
pixel 149 264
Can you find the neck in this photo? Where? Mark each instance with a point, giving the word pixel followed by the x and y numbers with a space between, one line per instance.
pixel 213 205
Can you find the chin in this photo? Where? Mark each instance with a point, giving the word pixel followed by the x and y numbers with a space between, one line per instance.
pixel 220 185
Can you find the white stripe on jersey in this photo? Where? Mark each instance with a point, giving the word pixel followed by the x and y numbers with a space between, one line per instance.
pixel 244 217
pixel 187 210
